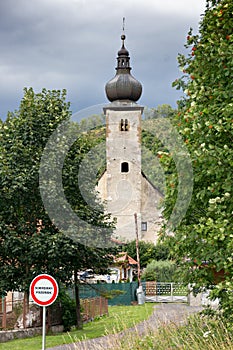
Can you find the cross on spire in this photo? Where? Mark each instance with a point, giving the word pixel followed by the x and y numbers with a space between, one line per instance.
pixel 123 27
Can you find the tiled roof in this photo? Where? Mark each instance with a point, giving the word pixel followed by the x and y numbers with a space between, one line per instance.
pixel 123 257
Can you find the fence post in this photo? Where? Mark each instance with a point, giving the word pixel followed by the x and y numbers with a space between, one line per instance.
pixel 97 306
pixel 100 306
pixel 86 308
pixel 92 308
pixel 95 302
pixel 89 308
pixel 172 290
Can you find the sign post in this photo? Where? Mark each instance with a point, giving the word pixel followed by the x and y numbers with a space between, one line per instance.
pixel 44 328
pixel 44 291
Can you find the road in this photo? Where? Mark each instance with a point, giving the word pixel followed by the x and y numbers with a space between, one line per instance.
pixel 163 313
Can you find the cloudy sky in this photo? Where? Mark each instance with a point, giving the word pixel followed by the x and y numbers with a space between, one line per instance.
pixel 73 44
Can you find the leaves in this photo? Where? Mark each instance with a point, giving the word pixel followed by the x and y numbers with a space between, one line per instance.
pixel 148 252
pixel 204 120
pixel 30 243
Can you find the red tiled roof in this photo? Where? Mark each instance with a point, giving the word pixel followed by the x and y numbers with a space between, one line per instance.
pixel 123 257
pixel 132 261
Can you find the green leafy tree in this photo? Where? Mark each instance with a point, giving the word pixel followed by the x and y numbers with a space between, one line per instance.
pixel 157 144
pixel 30 242
pixel 148 251
pixel 23 137
pixel 203 241
pixel 162 111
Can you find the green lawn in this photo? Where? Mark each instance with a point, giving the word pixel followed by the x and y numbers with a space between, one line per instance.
pixel 119 318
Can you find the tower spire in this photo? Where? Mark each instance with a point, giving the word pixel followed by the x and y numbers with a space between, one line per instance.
pixel 123 86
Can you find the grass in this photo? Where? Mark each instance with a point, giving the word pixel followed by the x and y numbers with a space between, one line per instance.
pixel 119 318
pixel 200 333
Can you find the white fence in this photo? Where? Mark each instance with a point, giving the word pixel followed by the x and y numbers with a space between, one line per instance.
pixel 164 292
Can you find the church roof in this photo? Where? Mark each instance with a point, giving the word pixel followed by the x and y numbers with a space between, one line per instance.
pixel 123 86
pixel 144 176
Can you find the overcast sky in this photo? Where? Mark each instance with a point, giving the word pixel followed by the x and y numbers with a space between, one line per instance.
pixel 73 44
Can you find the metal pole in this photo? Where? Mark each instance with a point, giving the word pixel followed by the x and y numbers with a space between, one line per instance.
pixel 137 249
pixel 44 328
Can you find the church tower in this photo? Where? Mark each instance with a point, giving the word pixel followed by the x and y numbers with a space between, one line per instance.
pixel 123 147
pixel 123 186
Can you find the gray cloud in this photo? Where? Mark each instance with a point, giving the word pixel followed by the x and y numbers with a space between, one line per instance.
pixel 73 44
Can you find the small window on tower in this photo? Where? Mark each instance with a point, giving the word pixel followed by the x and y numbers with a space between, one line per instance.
pixel 124 125
pixel 144 226
pixel 124 167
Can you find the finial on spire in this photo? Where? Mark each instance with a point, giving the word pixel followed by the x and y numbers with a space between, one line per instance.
pixel 123 31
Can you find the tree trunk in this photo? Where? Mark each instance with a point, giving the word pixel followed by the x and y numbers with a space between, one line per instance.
pixel 26 299
pixel 77 301
pixel 25 308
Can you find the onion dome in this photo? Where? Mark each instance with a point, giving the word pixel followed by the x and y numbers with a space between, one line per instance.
pixel 123 86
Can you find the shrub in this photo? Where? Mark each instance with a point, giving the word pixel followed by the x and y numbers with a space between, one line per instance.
pixel 162 271
pixel 69 317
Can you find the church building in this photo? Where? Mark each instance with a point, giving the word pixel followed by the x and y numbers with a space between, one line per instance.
pixel 123 186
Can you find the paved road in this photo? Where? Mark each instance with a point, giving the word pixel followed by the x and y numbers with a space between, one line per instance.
pixel 164 313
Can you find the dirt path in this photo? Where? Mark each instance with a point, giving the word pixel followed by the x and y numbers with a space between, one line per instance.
pixel 164 313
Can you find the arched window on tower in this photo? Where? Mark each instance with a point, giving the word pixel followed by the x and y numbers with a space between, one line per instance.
pixel 124 167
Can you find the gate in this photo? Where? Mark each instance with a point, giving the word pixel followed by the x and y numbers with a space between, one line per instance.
pixel 164 292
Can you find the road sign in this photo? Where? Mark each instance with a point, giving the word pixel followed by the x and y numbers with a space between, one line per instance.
pixel 44 290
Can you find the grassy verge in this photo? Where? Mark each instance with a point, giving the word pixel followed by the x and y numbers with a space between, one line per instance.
pixel 119 318
pixel 199 333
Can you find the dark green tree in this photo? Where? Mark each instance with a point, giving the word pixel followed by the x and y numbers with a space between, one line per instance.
pixel 23 137
pixel 148 251
pixel 31 242
pixel 203 242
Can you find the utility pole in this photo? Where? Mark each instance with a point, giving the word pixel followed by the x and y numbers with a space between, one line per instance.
pixel 137 250
pixel 140 293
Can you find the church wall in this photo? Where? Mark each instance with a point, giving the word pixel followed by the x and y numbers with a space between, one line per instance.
pixel 151 211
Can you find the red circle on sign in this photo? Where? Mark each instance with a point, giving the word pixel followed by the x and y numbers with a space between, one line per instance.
pixel 54 293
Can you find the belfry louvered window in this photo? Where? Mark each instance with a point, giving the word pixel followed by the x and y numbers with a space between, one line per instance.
pixel 124 125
